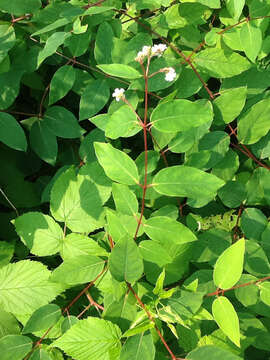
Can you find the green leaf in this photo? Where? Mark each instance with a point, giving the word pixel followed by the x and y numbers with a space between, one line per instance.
pixel 125 200
pixel 77 199
pixel 6 251
pixel 11 132
pixel 91 339
pixel 123 122
pixel 61 122
pixel 39 232
pixel 62 81
pixel 211 353
pixel 8 324
pixel 230 104
pixel 15 347
pixel 54 25
pixel 254 123
pixel 256 260
pixel 161 227
pixel 40 354
pixel 68 322
pixel 181 115
pixel 232 194
pixel 186 181
pixel 104 44
pixel 7 40
pixel 265 292
pixel 24 287
pixel 235 8
pixel 251 40
pixel 10 87
pixel 139 347
pixel 226 317
pixel 43 318
pixel 94 98
pixel 120 70
pixel 229 266
pixel 87 151
pixel 117 165
pixel 78 270
pixel 18 7
pixel 153 252
pixel 221 64
pixel 125 262
pixel 253 223
pixel 75 245
pixel 43 142
pixel 52 44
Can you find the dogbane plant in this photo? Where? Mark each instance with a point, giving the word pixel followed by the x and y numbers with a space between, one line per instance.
pixel 134 180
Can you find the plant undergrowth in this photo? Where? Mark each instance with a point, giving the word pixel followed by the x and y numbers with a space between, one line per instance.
pixel 135 183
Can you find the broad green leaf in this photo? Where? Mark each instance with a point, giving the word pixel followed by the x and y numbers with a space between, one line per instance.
pixel 18 7
pixel 125 262
pixel 7 40
pixel 117 165
pixel 211 352
pixel 77 245
pixel 160 227
pixel 61 122
pixel 122 123
pixel 41 354
pixel 43 142
pixel 11 132
pixel 93 10
pixel 91 339
pixel 254 123
pixel 55 25
pixel 256 260
pixel 39 232
pixel 77 199
pixel 229 266
pixel 138 329
pixel 258 187
pixel 94 98
pixel 226 317
pixel 120 70
pixel 68 322
pixel 153 252
pixel 186 181
pixel 232 194
pixel 185 303
pixel 25 287
pixel 15 347
pixel 10 87
pixel 253 223
pixel 221 64
pixel 265 292
pixel 227 167
pixel 230 104
pixel 181 115
pixel 125 200
pixel 6 251
pixel 139 347
pixel 251 40
pixel 62 81
pixel 8 324
pixel 43 318
pixel 235 8
pixel 104 44
pixel 78 44
pixel 247 295
pixel 214 4
pixel 52 44
pixel 87 151
pixel 78 270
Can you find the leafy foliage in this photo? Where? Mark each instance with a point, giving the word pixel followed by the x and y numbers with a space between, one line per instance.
pixel 134 183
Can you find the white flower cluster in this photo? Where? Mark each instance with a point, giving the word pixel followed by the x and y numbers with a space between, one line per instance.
pixel 170 74
pixel 118 94
pixel 156 50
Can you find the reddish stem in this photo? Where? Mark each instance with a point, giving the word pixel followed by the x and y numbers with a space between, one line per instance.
pixel 152 320
pixel 217 292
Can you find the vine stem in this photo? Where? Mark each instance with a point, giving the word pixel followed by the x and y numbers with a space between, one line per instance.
pixel 150 317
pixel 145 74
pixel 10 203
pixel 222 291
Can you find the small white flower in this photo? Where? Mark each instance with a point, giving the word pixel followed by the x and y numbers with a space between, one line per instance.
pixel 118 94
pixel 142 54
pixel 158 50
pixel 170 74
